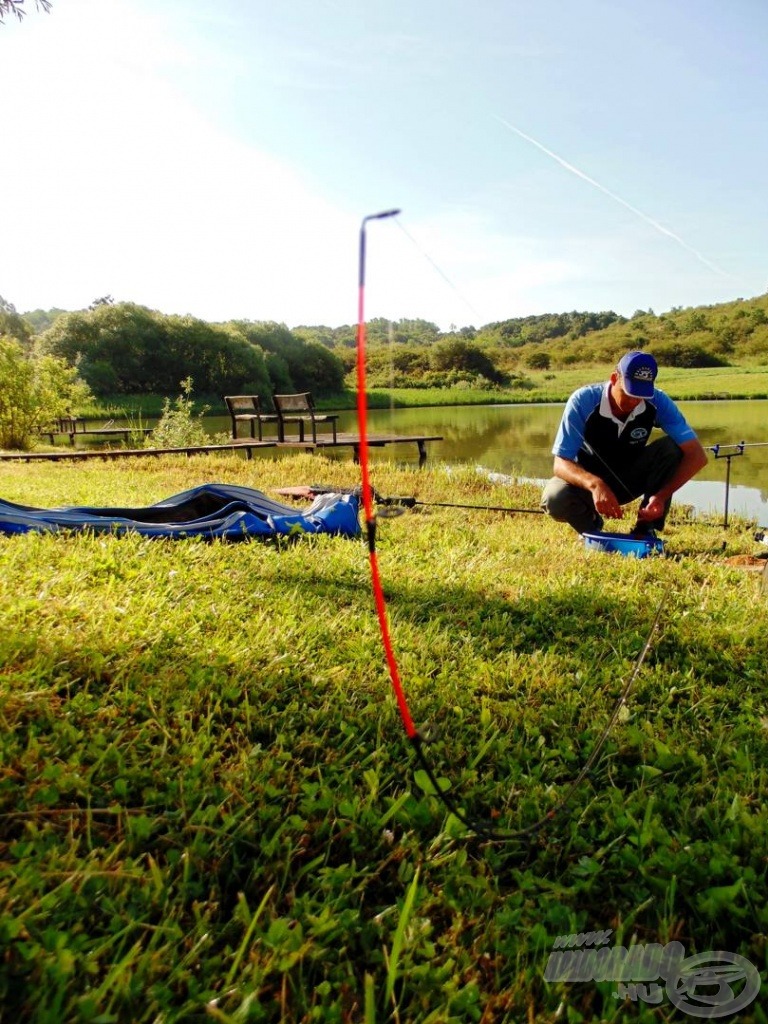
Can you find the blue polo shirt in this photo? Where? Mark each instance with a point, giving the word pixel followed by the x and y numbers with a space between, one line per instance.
pixel 589 426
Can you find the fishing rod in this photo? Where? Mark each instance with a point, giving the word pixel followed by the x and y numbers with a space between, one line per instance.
pixel 407 502
pixel 367 490
pixel 397 504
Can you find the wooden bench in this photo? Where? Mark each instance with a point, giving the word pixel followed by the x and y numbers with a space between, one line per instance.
pixel 247 409
pixel 300 409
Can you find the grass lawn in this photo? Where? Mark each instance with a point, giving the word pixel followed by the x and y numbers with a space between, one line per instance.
pixel 209 810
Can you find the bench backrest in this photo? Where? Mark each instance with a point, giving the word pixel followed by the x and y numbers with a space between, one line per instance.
pixel 294 403
pixel 242 404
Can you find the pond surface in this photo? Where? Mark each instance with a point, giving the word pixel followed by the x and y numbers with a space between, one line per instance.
pixel 516 440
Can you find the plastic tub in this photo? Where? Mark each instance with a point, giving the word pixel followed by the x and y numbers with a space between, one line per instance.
pixel 633 547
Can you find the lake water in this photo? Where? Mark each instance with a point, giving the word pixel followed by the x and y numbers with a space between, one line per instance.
pixel 516 440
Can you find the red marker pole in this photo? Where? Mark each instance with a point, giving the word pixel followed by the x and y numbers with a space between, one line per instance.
pixel 370 516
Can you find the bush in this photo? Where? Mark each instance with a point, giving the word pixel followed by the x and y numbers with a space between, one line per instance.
pixel 179 426
pixel 33 393
pixel 461 356
pixel 686 356
pixel 538 361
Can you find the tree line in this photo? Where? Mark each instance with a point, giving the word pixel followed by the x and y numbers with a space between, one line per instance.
pixel 127 349
pixel 415 353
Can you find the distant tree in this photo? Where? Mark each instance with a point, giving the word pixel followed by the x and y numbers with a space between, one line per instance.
pixel 40 320
pixel 33 392
pixel 279 373
pixel 129 349
pixel 462 355
pixel 319 371
pixel 538 361
pixel 16 7
pixel 422 332
pixel 697 321
pixel 13 325
pixel 412 360
pixel 301 366
pixel 322 335
pixel 686 356
pixel 105 300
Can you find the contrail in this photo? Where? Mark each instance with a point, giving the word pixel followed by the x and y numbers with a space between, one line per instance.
pixel 612 195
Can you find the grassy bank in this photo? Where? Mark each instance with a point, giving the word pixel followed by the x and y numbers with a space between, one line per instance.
pixel 208 809
pixel 733 382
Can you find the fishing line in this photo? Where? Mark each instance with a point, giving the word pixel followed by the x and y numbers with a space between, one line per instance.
pixel 444 276
pixel 483 829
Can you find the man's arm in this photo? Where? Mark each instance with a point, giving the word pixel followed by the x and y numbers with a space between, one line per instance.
pixel 694 459
pixel 606 502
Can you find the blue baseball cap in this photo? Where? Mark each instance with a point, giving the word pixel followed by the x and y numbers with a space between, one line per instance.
pixel 638 372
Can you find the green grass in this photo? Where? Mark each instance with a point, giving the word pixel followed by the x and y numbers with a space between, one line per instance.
pixel 732 382
pixel 209 809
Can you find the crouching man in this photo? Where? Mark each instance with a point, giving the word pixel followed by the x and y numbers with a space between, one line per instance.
pixel 602 456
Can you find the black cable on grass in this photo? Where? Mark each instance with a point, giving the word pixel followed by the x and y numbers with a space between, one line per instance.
pixel 485 829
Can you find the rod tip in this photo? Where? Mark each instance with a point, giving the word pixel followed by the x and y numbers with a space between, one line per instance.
pixel 384 213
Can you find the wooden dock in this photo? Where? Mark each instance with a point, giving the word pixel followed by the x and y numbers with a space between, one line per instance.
pixel 247 445
pixel 67 455
pixel 73 427
pixel 353 441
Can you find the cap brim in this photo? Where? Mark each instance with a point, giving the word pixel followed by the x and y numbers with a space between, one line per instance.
pixel 638 388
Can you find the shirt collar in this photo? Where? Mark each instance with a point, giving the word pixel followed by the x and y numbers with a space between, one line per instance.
pixel 606 409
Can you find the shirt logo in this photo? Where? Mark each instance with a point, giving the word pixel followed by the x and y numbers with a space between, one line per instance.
pixel 638 433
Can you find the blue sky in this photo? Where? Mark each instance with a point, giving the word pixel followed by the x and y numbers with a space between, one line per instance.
pixel 216 157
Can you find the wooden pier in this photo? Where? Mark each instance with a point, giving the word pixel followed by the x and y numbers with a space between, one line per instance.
pixel 73 427
pixel 248 445
pixel 353 441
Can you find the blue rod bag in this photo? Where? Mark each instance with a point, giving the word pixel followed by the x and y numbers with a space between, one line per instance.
pixel 212 510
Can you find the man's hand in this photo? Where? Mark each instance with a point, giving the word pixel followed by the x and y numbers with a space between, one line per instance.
pixel 694 458
pixel 653 509
pixel 603 497
pixel 606 503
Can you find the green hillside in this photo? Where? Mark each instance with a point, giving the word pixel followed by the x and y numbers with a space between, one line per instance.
pixel 414 353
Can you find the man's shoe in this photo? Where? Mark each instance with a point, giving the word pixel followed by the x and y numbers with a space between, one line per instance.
pixel 642 531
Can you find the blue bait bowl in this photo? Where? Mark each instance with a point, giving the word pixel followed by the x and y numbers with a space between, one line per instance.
pixel 634 547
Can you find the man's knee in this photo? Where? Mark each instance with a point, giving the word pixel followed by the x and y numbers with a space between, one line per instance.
pixel 661 458
pixel 556 499
pixel 564 502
